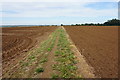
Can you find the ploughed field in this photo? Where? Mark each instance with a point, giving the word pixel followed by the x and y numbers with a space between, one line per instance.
pixel 16 41
pixel 99 46
pixel 49 52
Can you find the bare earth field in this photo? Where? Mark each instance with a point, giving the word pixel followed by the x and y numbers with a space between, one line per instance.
pixel 48 52
pixel 16 41
pixel 99 46
pixel 52 58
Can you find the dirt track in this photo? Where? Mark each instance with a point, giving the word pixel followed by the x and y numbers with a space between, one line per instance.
pixel 99 46
pixel 18 40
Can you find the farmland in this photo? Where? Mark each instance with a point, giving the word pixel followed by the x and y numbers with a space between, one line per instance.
pixel 17 41
pixel 99 46
pixel 60 52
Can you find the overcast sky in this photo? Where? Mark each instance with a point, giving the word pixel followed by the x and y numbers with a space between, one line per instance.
pixel 57 12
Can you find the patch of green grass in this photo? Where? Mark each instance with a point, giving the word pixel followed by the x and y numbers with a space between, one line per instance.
pixel 39 70
pixel 55 67
pixel 49 49
pixel 43 60
pixel 54 76
pixel 57 53
pixel 31 57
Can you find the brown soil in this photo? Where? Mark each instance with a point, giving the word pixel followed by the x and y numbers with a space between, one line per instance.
pixel 84 70
pixel 99 46
pixel 16 41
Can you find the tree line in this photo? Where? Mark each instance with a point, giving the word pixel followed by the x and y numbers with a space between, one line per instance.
pixel 113 22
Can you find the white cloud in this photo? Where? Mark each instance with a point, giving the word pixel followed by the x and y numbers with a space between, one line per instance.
pixel 53 9
pixel 50 10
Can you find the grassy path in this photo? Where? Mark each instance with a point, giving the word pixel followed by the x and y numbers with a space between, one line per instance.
pixel 50 60
pixel 65 60
pixel 47 66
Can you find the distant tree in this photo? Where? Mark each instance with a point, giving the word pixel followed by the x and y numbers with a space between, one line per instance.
pixel 61 24
pixel 86 24
pixel 77 24
pixel 82 24
pixel 113 22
